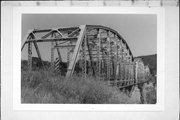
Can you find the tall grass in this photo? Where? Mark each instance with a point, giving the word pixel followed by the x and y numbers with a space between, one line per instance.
pixel 44 86
pixel 47 87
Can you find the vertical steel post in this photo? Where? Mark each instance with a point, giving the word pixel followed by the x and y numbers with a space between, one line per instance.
pixel 127 67
pixel 131 73
pixel 68 57
pixel 84 56
pixel 69 50
pixel 103 62
pixel 136 72
pixel 109 58
pixel 99 55
pixel 129 78
pixel 116 60
pixel 123 65
pixel 120 62
pixel 30 56
pixel 52 56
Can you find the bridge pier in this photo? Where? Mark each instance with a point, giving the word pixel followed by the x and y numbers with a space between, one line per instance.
pixel 141 87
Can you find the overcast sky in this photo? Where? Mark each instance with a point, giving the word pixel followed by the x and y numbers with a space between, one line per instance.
pixel 138 30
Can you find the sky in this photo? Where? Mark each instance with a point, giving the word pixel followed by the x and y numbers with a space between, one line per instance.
pixel 138 30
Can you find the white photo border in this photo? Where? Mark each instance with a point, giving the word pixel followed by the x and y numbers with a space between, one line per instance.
pixel 17 14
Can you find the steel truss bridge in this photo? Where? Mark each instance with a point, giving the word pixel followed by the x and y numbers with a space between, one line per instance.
pixel 90 50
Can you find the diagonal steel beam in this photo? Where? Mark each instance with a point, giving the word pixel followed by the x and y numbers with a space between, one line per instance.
pixel 76 51
pixel 48 34
pixel 26 39
pixel 59 33
pixel 73 32
pixel 37 48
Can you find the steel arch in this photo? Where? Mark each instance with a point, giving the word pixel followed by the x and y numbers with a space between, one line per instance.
pixel 91 50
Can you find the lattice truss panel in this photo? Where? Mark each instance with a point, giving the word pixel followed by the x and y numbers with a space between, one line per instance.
pixel 91 50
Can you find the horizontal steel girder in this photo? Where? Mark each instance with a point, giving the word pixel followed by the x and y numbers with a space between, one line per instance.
pixel 53 39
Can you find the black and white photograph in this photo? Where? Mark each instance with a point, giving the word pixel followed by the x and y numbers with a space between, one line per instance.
pixel 89 58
